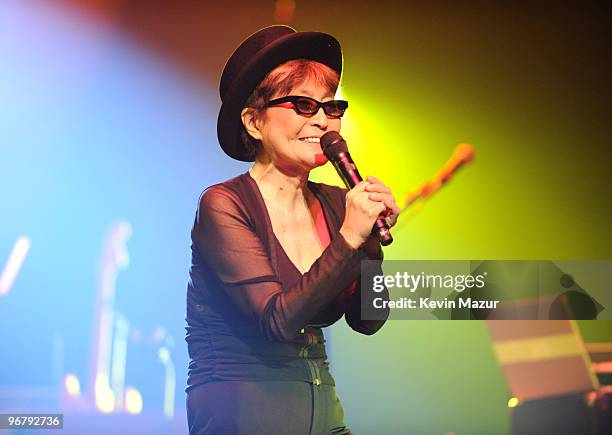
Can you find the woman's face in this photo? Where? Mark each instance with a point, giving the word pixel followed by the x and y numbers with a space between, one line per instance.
pixel 291 140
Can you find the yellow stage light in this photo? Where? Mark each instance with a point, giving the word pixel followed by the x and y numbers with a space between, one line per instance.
pixel 72 385
pixel 133 401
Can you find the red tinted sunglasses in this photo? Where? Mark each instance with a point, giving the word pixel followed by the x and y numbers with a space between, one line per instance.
pixel 309 106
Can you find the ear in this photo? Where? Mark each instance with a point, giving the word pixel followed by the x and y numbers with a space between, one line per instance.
pixel 250 122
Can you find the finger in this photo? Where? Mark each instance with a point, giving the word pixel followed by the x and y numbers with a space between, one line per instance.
pixel 384 197
pixel 377 187
pixel 360 187
pixel 377 210
pixel 357 189
pixel 391 221
pixel 389 202
pixel 376 196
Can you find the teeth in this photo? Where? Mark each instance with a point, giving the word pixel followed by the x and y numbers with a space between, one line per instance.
pixel 310 139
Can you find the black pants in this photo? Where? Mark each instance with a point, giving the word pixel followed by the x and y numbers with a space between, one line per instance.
pixel 264 408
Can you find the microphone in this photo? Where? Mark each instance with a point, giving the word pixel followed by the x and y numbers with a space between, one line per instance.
pixel 335 149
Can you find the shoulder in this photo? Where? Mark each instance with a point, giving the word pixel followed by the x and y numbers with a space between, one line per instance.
pixel 224 196
pixel 228 190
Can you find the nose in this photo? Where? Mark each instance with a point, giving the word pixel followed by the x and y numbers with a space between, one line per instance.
pixel 319 119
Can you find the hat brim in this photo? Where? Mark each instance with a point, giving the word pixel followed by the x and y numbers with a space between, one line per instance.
pixel 316 46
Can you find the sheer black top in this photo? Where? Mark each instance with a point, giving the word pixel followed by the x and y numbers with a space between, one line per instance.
pixel 251 314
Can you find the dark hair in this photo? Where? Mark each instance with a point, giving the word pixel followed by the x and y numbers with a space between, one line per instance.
pixel 279 83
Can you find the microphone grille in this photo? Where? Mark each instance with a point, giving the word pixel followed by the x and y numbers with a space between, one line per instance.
pixel 333 144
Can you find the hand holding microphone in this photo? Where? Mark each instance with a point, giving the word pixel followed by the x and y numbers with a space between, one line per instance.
pixel 360 216
pixel 368 203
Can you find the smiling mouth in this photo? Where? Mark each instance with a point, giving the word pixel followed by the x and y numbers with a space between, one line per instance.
pixel 311 139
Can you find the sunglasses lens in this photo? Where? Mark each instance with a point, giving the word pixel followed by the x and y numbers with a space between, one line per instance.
pixel 335 108
pixel 306 105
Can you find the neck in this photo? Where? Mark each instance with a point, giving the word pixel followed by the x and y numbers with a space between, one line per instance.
pixel 284 187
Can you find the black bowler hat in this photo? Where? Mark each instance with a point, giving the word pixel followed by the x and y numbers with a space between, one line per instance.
pixel 259 54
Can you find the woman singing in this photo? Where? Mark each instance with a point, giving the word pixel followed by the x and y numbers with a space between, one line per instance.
pixel 275 257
